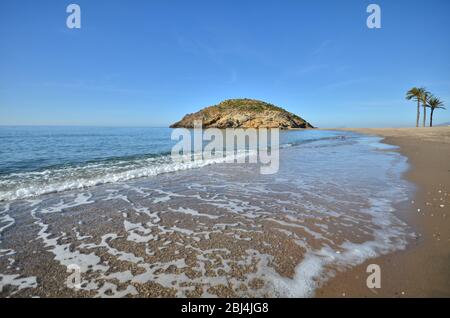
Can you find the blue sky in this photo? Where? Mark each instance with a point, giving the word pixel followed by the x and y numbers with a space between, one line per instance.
pixel 147 63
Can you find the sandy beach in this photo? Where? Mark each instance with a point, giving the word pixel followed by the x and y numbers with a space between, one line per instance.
pixel 423 269
pixel 340 201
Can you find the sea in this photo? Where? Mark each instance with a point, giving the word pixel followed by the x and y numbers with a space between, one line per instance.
pixel 110 205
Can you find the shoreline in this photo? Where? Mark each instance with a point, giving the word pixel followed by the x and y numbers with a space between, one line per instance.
pixel 224 231
pixel 423 268
pixel 199 237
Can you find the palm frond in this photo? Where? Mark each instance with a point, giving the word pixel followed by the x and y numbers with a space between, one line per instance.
pixel 435 103
pixel 417 93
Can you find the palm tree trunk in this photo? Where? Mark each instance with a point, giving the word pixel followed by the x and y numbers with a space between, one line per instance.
pixel 431 117
pixel 424 116
pixel 418 113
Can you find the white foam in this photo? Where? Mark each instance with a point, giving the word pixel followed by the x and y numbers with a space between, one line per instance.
pixel 122 256
pixel 138 233
pixel 17 281
pixel 62 252
pixel 193 212
pixel 80 199
pixel 5 218
pixel 30 184
pixel 6 221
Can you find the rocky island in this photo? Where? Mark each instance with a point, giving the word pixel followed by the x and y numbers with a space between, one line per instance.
pixel 243 113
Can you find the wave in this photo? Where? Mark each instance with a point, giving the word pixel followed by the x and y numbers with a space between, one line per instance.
pixel 29 184
pixel 58 178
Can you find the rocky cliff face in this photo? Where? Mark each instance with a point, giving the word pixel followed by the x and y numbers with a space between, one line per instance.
pixel 243 113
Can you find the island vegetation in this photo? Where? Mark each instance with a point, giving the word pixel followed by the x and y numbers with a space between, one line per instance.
pixel 243 113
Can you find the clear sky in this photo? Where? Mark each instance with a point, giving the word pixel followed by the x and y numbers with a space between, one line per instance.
pixel 147 63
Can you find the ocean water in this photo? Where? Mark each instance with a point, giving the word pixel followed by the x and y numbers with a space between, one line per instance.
pixel 112 202
pixel 40 160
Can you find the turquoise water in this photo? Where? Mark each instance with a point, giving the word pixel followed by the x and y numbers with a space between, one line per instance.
pixel 39 160
pixel 36 148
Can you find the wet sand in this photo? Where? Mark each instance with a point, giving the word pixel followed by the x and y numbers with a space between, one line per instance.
pixel 423 269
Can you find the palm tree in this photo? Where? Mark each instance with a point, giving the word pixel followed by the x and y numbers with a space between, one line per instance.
pixel 416 94
pixel 424 99
pixel 434 103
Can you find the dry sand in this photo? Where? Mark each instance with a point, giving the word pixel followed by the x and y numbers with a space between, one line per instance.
pixel 423 270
